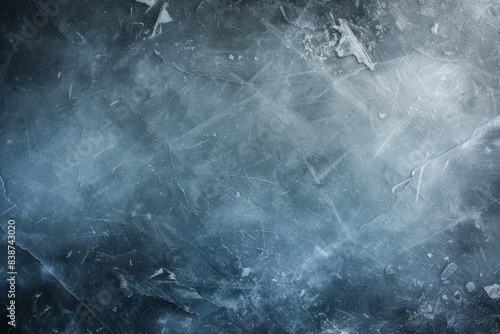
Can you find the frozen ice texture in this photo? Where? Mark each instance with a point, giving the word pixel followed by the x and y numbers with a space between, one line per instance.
pixel 227 171
pixel 470 286
pixel 150 3
pixel 493 291
pixel 448 271
pixel 350 45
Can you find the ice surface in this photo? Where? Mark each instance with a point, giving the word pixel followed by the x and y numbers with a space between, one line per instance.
pixel 493 291
pixel 350 45
pixel 252 166
pixel 150 3
pixel 470 286
pixel 448 271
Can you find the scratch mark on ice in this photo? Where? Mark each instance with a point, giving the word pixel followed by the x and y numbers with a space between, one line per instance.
pixel 400 184
pixel 420 177
pixel 445 165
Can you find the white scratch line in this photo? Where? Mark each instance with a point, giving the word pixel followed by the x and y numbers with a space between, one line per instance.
pixel 200 143
pixel 203 124
pixel 400 184
pixel 107 148
pixel 445 165
pixel 386 142
pixel 420 177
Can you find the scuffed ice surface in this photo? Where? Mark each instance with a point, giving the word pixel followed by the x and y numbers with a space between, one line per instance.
pixel 253 166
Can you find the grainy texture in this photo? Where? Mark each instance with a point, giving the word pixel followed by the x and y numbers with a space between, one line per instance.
pixel 252 166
